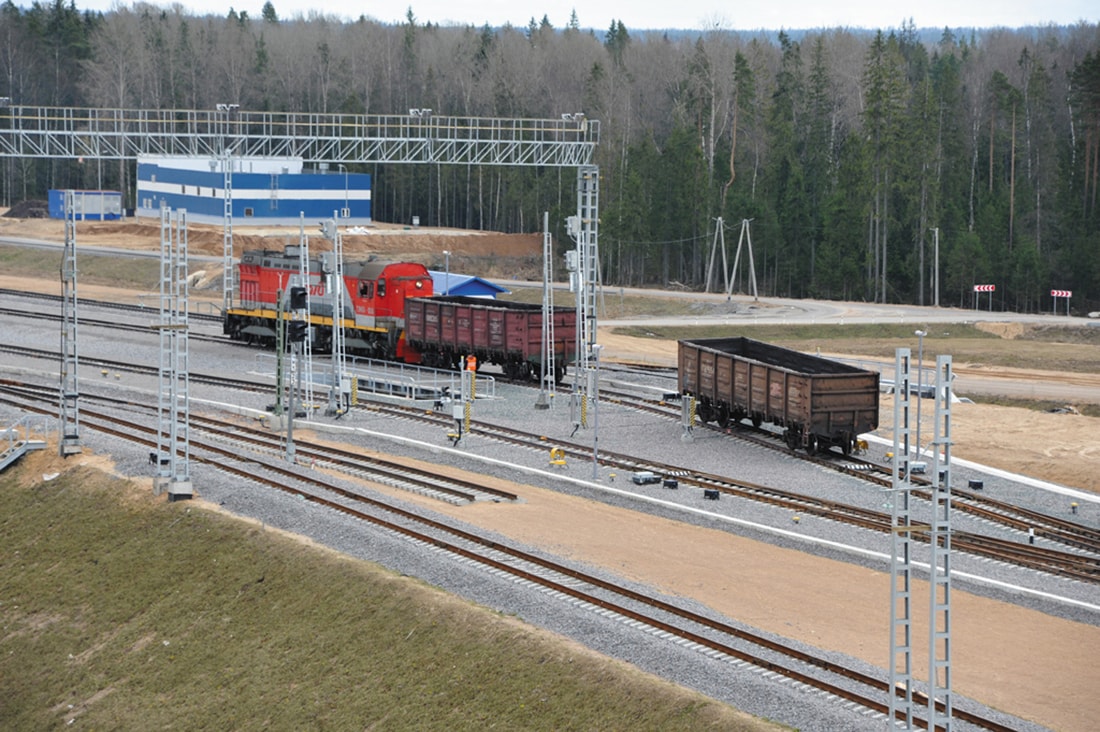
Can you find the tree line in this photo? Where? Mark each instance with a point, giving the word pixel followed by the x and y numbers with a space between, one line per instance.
pixel 855 160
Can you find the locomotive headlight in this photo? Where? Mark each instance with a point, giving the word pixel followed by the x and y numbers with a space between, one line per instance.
pixel 419 284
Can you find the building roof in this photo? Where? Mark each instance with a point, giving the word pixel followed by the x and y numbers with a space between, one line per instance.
pixel 453 283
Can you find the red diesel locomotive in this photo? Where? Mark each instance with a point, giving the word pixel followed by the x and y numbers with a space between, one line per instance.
pixel 377 299
pixel 373 297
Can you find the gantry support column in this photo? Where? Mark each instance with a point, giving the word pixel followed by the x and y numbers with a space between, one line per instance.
pixel 173 397
pixel 901 555
pixel 69 433
pixel 940 703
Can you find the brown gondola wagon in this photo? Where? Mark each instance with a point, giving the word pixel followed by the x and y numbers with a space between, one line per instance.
pixel 817 402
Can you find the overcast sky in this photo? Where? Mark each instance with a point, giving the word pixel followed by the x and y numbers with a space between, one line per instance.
pixel 682 14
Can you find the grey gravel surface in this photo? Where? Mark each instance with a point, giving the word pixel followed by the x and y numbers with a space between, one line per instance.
pixel 620 429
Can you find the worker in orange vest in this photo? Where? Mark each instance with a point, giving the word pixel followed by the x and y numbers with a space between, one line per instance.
pixel 471 363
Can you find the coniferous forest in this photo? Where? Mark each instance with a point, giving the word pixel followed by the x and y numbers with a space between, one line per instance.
pixel 854 154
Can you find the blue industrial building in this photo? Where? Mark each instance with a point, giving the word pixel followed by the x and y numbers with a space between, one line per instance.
pixel 264 191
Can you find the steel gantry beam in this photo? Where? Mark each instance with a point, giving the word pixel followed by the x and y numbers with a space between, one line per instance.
pixel 419 137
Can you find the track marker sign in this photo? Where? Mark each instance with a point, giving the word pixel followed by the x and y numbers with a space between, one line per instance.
pixel 1061 293
pixel 984 288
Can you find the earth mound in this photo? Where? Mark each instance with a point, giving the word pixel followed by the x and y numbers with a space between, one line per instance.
pixel 29 209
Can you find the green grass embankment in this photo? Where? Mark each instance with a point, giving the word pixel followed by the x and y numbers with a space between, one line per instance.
pixel 124 612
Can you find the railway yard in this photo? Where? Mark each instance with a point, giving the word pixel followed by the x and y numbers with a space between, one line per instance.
pixel 753 574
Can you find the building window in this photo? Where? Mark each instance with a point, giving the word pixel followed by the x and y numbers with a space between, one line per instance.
pixel 248 212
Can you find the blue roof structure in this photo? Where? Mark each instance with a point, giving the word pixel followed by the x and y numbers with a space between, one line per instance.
pixel 452 283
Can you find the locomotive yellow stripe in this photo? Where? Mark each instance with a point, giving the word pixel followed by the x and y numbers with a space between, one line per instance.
pixel 265 314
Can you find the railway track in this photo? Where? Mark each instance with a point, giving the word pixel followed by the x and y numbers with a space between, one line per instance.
pixel 376 469
pixel 1062 531
pixel 104 304
pixel 114 325
pixel 654 616
pixel 109 365
pixel 1082 565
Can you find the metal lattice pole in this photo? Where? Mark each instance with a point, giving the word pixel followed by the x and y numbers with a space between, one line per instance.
pixel 225 156
pixel 940 703
pixel 588 256
pixel 228 271
pixel 69 414
pixel 901 555
pixel 547 366
pixel 164 395
pixel 182 370
pixel 173 402
pixel 332 232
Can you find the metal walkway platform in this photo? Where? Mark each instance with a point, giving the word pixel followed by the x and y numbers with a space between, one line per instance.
pixel 29 433
pixel 390 378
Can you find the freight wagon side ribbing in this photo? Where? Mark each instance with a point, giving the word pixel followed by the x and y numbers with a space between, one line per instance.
pixel 818 402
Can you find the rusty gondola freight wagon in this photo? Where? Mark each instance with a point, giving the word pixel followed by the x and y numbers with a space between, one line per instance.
pixel 817 401
pixel 504 333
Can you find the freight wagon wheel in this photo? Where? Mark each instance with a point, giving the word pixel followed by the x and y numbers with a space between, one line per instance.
pixel 723 416
pixel 704 412
pixel 812 445
pixel 516 370
pixel 846 445
pixel 793 438
pixel 756 419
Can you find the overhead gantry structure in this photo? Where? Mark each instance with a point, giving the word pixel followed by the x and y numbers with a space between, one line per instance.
pixel 417 137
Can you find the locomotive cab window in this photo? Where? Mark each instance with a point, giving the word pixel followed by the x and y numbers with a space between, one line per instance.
pixel 366 289
pixel 381 287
